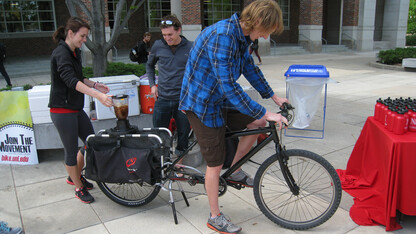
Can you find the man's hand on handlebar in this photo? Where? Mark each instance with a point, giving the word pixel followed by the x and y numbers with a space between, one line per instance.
pixel 278 100
pixel 277 118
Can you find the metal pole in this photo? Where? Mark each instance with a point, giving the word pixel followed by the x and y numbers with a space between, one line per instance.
pixel 340 22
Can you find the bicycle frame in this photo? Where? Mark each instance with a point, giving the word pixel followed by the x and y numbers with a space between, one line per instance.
pixel 272 137
pixel 326 192
pixel 234 134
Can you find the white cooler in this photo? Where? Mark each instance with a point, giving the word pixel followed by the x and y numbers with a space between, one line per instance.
pixel 125 84
pixel 38 103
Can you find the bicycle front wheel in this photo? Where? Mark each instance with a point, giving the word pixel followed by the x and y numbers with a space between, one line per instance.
pixel 319 190
pixel 129 194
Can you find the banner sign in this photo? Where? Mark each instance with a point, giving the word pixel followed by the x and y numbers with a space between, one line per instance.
pixel 17 139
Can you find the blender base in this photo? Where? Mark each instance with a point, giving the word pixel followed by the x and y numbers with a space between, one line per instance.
pixel 123 127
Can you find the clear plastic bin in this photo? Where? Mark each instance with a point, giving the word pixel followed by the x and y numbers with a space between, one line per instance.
pixel 304 84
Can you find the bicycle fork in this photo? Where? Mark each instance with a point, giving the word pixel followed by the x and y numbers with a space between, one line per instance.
pixel 282 157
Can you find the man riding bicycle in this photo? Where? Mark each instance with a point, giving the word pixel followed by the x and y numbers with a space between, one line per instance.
pixel 212 98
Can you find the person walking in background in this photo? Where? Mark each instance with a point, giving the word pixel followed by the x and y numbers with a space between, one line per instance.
pixel 171 54
pixel 2 68
pixel 66 100
pixel 255 47
pixel 212 98
pixel 140 52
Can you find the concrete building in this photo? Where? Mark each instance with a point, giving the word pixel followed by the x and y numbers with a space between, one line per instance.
pixel 26 27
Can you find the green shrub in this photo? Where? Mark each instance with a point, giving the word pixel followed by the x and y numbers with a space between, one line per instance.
pixel 87 72
pixel 27 86
pixel 113 69
pixel 6 89
pixel 396 56
pixel 116 69
pixel 411 40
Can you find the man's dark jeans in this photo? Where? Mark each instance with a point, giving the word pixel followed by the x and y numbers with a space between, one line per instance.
pixel 164 110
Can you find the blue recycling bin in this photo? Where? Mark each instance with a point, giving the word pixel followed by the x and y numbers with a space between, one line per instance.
pixel 304 84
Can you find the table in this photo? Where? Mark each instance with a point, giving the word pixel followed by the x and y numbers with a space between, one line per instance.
pixel 381 176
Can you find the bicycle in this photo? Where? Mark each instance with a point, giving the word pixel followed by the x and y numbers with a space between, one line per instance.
pixel 296 189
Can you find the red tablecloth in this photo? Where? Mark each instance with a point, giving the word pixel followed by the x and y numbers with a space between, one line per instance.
pixel 381 176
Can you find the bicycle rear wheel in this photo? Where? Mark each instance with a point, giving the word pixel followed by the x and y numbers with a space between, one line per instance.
pixel 129 194
pixel 319 195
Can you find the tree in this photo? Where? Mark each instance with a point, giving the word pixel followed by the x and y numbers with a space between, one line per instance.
pixel 98 45
pixel 411 22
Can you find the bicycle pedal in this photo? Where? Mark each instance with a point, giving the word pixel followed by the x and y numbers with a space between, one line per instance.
pixel 239 186
pixel 192 182
pixel 235 185
pixel 194 179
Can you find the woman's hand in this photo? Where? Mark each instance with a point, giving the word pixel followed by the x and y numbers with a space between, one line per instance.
pixel 96 90
pixel 101 87
pixel 105 99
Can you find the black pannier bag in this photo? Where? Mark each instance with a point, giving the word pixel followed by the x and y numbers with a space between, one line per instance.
pixel 128 159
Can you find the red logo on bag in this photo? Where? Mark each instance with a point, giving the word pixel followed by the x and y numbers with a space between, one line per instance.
pixel 130 162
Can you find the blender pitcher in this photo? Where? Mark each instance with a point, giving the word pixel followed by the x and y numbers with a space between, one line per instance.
pixel 121 106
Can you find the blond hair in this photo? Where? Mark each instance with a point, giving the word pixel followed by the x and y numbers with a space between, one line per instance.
pixel 265 14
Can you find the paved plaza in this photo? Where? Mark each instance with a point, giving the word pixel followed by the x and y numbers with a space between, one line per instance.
pixel 38 199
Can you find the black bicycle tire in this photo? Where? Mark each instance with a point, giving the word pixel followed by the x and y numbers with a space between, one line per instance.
pixel 110 190
pixel 306 193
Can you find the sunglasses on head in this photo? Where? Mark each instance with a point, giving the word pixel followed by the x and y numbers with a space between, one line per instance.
pixel 167 22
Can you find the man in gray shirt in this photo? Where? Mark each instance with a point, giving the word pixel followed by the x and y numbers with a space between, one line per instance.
pixel 171 54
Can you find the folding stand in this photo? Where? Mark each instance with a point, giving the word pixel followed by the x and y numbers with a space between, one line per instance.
pixel 302 77
pixel 322 130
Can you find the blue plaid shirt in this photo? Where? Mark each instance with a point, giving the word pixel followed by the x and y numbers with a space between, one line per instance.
pixel 216 61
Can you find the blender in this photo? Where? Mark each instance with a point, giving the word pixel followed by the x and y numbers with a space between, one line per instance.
pixel 121 110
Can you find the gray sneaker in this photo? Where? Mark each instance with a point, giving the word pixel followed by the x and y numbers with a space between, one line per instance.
pixel 222 224
pixel 6 229
pixel 241 177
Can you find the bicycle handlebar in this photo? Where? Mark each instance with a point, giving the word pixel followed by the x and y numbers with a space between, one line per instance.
pixel 285 108
pixel 284 111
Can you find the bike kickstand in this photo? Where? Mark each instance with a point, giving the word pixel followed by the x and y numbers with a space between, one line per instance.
pixel 183 194
pixel 172 202
pixel 184 198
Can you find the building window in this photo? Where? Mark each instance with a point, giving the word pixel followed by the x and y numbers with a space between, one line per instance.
pixel 285 6
pixel 216 10
pixel 112 4
pixel 27 16
pixel 157 10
